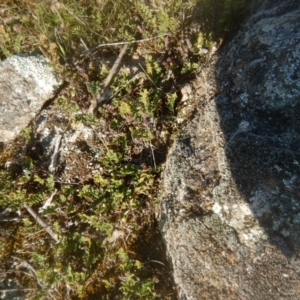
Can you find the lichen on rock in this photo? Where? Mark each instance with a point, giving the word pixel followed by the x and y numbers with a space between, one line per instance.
pixel 26 83
pixel 230 202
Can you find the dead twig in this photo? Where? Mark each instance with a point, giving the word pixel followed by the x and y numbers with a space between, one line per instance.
pixel 14 290
pixel 54 157
pixel 103 95
pixel 41 222
pixel 158 262
pixel 26 265
pixel 153 156
pixel 84 45
pixel 126 43
pixel 48 201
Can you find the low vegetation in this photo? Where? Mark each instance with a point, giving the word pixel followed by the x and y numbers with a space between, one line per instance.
pixel 99 238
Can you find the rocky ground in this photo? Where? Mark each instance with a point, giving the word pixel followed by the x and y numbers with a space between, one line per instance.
pixel 230 197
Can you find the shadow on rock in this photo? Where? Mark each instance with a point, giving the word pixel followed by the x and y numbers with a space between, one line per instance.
pixel 230 207
pixel 258 80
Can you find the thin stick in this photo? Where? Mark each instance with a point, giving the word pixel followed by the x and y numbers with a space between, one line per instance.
pixel 54 158
pixel 153 157
pixel 115 67
pixel 159 262
pixel 41 222
pixel 48 201
pixel 83 43
pixel 26 265
pixel 13 290
pixel 102 96
pixel 129 42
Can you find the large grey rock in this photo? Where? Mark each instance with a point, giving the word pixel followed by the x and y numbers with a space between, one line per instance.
pixel 26 83
pixel 230 204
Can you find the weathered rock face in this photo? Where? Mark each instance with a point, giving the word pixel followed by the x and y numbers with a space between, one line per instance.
pixel 26 83
pixel 230 204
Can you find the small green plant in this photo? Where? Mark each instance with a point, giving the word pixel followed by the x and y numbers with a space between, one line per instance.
pixel 131 286
pixel 94 87
pixel 189 67
pixel 98 224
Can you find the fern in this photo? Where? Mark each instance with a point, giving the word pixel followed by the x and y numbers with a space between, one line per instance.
pixel 144 100
pixel 171 98
pixel 36 198
pixel 144 11
pixel 5 50
pixel 153 68
pixel 124 108
pixel 17 44
pixel 94 87
pixel 165 22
